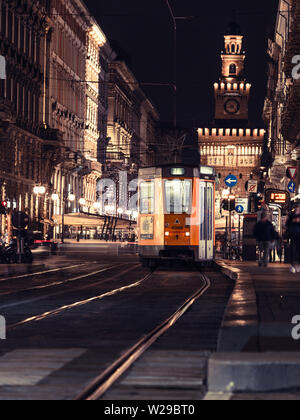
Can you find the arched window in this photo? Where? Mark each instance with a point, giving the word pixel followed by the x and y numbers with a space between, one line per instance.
pixel 232 69
pixel 233 48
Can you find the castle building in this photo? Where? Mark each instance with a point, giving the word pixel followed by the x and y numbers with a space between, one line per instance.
pixel 231 144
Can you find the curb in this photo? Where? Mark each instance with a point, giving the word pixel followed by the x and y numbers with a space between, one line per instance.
pixel 240 326
pixel 253 372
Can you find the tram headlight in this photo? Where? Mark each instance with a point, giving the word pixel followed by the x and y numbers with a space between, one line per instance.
pixel 187 234
pixel 167 234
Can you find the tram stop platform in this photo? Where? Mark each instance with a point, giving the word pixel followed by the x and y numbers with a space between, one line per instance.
pixel 259 341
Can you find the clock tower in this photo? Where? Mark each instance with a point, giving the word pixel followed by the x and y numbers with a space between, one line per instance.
pixel 232 92
pixel 231 143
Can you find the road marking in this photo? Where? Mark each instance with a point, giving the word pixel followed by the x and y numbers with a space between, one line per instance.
pixel 42 272
pixel 24 302
pixel 76 304
pixel 28 367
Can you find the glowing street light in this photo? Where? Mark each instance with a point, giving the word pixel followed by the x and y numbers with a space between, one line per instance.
pixel 39 190
pixel 82 201
pixel 72 197
pixel 55 197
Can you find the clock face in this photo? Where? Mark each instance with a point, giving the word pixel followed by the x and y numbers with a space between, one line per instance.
pixel 232 106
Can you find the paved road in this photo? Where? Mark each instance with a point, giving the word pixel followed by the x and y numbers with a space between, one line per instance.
pixel 72 318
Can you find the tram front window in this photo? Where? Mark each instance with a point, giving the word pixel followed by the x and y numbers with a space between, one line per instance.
pixel 178 195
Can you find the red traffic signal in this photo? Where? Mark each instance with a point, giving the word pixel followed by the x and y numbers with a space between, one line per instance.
pixel 4 204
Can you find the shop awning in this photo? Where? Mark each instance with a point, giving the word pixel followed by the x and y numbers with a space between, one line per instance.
pixel 87 220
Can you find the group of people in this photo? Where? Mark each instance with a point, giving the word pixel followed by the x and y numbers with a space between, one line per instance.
pixel 268 239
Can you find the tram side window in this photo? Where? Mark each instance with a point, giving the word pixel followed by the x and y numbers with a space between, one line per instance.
pixel 178 195
pixel 147 198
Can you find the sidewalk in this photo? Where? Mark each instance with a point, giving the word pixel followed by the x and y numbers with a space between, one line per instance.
pixel 268 298
pixel 257 351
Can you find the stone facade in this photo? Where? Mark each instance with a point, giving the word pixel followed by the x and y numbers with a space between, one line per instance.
pixel 132 122
pixel 281 109
pixel 27 151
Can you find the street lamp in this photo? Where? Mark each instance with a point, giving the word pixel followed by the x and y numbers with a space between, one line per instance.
pixel 39 190
pixel 82 201
pixel 72 197
pixel 66 197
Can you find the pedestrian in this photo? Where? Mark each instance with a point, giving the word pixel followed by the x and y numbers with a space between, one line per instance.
pixel 280 248
pixel 264 233
pixel 293 233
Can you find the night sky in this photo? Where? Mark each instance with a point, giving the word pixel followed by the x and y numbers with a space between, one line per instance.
pixel 143 28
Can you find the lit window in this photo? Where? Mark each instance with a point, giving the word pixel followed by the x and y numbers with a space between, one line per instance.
pixel 147 197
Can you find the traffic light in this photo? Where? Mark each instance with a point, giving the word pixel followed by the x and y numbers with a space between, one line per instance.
pixel 229 204
pixel 259 202
pixel 3 208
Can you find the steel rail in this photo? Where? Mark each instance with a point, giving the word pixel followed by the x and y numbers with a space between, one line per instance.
pixel 39 273
pixel 63 282
pixel 77 304
pixel 99 386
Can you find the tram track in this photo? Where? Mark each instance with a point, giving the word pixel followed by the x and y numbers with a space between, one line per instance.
pixel 76 304
pixel 61 282
pixel 54 270
pixel 103 383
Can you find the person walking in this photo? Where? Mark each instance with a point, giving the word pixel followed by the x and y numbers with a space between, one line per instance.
pixel 293 233
pixel 265 234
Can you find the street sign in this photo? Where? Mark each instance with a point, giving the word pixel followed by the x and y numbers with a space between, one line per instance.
pixel 292 172
pixel 252 186
pixel 239 209
pixel 242 202
pixel 292 187
pixel 20 220
pixel 231 181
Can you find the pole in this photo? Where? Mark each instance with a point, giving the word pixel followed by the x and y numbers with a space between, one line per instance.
pixel 239 243
pixel 175 62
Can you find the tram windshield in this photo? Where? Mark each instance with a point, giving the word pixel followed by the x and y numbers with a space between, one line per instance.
pixel 147 197
pixel 178 196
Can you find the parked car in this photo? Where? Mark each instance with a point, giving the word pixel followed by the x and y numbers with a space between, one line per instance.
pixel 40 243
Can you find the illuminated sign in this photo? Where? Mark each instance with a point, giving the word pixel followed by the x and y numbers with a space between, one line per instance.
pixel 206 170
pixel 177 171
pixel 278 197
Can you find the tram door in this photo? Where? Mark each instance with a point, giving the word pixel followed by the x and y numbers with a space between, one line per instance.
pixel 207 213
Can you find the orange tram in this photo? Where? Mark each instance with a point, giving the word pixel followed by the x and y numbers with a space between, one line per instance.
pixel 176 214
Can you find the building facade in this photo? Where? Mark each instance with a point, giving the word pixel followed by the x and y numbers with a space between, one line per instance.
pixel 231 144
pixel 77 104
pixel 281 109
pixel 27 151
pixel 131 130
pixel 132 122
pixel 95 119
